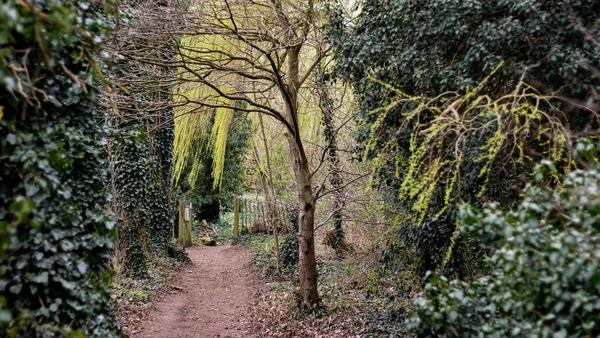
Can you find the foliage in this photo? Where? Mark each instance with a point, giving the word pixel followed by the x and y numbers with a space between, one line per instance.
pixel 143 148
pixel 264 259
pixel 357 298
pixel 56 231
pixel 160 204
pixel 192 134
pixel 292 217
pixel 546 280
pixel 289 250
pixel 132 297
pixel 131 171
pixel 200 189
pixel 458 99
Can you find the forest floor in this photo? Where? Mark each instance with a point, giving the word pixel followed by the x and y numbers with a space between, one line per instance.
pixel 212 297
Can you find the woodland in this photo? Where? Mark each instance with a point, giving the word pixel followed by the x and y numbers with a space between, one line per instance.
pixel 398 168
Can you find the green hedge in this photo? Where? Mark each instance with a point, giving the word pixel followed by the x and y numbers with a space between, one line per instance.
pixel 56 232
pixel 545 257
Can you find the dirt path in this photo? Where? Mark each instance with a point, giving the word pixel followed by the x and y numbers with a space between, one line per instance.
pixel 214 300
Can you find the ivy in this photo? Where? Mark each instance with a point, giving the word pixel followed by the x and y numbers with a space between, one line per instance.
pixel 131 172
pixel 459 99
pixel 55 228
pixel 160 207
pixel 545 261
pixel 142 152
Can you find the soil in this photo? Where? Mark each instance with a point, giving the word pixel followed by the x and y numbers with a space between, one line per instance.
pixel 209 298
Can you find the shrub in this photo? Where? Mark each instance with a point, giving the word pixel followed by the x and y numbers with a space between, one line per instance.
pixel 545 256
pixel 458 99
pixel 289 250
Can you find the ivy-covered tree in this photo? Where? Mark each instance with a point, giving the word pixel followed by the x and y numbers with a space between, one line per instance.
pixel 160 204
pixel 130 163
pixel 142 155
pixel 458 99
pixel 56 230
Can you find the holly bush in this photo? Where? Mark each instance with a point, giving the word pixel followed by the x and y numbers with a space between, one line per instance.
pixel 545 260
pixel 56 232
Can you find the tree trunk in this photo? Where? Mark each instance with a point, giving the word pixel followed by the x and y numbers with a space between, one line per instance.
pixel 271 197
pixel 335 167
pixel 306 222
pixel 306 199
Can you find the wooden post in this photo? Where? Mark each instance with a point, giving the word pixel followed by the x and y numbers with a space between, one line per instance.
pixel 246 215
pixel 236 217
pixel 276 233
pixel 253 213
pixel 185 224
pixel 242 214
pixel 264 218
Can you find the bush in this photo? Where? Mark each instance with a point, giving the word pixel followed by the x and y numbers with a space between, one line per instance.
pixel 412 63
pixel 289 250
pixel 546 260
pixel 56 230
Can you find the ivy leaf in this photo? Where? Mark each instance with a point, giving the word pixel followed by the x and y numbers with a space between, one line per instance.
pixel 82 267
pixel 16 289
pixel 11 139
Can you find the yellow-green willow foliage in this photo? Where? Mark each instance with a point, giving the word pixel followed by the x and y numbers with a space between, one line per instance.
pixel 198 103
pixel 503 125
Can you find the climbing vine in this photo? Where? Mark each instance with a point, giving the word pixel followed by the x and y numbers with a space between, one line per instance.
pixel 142 149
pixel 449 114
pixel 131 171
pixel 57 233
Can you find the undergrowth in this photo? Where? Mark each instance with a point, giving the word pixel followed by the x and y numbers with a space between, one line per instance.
pixel 358 297
pixel 133 297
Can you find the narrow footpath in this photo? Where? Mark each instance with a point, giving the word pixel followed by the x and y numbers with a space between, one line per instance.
pixel 211 297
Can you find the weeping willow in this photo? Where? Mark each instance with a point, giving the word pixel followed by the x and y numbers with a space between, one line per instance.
pixel 502 125
pixel 197 104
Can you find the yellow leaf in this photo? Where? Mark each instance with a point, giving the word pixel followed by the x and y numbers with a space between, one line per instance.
pixel 1 112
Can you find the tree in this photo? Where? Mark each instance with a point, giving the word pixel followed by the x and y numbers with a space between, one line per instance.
pixel 459 99
pixel 200 189
pixel 335 174
pixel 56 229
pixel 141 150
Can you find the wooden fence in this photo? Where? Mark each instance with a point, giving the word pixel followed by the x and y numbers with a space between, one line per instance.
pixel 256 214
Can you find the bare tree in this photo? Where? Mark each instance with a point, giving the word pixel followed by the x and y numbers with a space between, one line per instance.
pixel 254 56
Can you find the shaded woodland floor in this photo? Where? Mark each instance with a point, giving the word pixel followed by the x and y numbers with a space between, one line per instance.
pixel 210 298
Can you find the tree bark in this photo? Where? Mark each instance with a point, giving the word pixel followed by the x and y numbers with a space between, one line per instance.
pixel 307 265
pixel 306 221
pixel 335 170
pixel 272 196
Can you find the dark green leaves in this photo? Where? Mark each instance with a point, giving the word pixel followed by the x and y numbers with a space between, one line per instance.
pixel 546 258
pixel 55 238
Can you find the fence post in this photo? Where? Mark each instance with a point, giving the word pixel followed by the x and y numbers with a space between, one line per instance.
pixel 236 217
pixel 246 215
pixel 185 224
pixel 252 214
pixel 243 212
